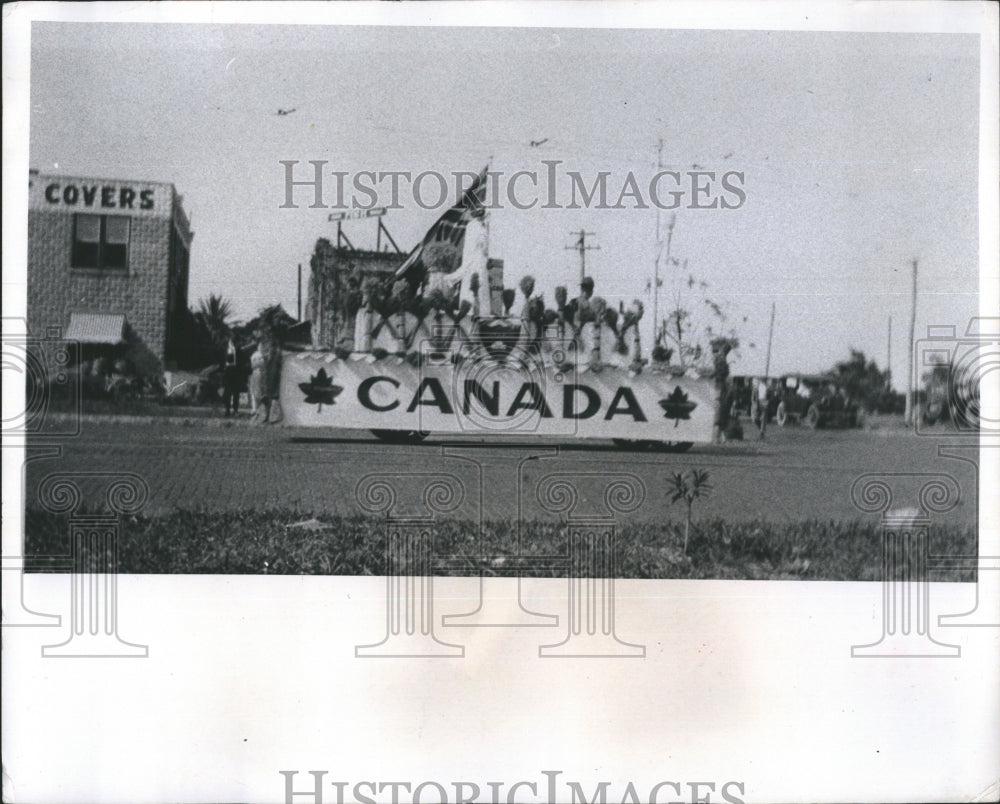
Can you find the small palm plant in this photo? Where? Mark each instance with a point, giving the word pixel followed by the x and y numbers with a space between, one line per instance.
pixel 689 486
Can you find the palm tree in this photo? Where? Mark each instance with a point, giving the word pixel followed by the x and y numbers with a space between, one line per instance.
pixel 212 328
pixel 689 486
pixel 214 313
pixel 212 319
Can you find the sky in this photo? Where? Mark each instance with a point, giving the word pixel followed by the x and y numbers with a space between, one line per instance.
pixel 859 154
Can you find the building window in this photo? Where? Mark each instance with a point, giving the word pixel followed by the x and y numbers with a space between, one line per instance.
pixel 100 242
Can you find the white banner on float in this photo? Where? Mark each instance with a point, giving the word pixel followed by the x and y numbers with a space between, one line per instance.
pixel 477 396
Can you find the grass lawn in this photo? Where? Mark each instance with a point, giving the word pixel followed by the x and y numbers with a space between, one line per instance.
pixel 250 542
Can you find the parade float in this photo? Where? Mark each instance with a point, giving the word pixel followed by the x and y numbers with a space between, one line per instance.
pixel 421 351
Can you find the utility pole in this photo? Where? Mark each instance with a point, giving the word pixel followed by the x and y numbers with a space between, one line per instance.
pixel 770 338
pixel 767 375
pixel 582 247
pixel 299 316
pixel 888 358
pixel 910 381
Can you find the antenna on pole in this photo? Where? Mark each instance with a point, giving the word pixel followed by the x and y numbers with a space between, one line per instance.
pixel 662 255
pixel 582 248
pixel 659 255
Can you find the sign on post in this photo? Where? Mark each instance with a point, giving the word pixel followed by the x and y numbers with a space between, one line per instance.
pixel 357 214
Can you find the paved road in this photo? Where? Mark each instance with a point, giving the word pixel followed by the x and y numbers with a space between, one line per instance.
pixel 796 474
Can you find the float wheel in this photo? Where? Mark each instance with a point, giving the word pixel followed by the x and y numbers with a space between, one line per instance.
pixel 781 415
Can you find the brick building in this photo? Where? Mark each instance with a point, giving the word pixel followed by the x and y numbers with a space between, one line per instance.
pixel 108 263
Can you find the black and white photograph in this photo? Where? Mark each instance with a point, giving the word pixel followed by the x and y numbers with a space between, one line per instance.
pixel 501 402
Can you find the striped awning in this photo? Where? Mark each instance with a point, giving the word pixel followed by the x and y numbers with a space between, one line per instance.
pixel 95 328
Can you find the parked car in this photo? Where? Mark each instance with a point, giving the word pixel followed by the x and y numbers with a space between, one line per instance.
pixel 814 400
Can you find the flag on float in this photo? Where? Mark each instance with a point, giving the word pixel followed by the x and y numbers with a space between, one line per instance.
pixel 440 251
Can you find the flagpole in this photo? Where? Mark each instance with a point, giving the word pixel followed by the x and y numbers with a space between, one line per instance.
pixel 486 212
pixel 485 294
